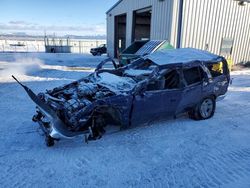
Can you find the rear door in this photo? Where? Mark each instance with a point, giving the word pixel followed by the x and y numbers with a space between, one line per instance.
pixel 192 93
pixel 219 77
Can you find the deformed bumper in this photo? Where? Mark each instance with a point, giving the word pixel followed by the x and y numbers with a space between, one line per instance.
pixel 54 127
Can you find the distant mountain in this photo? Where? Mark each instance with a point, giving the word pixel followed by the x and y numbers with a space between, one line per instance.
pixel 86 37
pixel 23 35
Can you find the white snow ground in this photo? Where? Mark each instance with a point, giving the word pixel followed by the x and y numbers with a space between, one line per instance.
pixel 172 153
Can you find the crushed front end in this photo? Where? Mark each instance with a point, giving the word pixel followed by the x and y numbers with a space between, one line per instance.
pixel 84 107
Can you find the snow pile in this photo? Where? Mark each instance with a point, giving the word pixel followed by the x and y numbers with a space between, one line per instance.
pixel 66 68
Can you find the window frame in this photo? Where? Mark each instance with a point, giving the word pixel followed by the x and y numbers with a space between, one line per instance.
pixel 162 76
pixel 199 67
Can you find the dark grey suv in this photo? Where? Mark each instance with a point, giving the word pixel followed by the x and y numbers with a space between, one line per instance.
pixel 102 49
pixel 163 84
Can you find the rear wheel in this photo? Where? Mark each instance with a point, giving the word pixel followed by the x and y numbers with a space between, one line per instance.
pixel 207 108
pixel 204 110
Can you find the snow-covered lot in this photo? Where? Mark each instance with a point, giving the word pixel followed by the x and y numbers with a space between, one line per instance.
pixel 172 153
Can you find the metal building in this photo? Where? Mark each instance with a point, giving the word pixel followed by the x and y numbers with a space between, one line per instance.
pixel 219 26
pixel 54 45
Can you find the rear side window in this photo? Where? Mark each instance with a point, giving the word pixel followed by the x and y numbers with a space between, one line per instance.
pixel 216 69
pixel 193 75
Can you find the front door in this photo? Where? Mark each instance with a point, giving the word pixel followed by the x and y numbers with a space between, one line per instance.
pixel 159 101
pixel 153 105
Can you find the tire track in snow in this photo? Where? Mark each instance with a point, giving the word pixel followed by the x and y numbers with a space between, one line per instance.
pixel 23 167
pixel 220 170
pixel 206 170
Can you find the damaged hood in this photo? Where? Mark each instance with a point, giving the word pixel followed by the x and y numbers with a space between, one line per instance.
pixel 115 83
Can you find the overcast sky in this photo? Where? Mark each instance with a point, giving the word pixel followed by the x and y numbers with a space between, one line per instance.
pixel 74 17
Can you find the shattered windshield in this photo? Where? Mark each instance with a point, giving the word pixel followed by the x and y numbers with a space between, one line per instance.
pixel 115 83
pixel 124 79
pixel 141 68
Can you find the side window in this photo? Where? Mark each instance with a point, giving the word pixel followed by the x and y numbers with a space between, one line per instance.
pixel 172 80
pixel 216 69
pixel 156 85
pixel 193 75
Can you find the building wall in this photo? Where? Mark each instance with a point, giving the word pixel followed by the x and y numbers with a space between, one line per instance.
pixel 161 20
pixel 206 22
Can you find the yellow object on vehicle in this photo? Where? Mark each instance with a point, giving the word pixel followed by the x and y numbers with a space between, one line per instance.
pixel 218 67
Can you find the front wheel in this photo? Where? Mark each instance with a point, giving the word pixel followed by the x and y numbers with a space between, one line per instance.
pixel 204 110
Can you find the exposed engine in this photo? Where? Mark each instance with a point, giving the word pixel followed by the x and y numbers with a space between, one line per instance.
pixel 71 101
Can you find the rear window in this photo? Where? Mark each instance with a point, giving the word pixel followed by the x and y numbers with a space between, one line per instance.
pixel 192 75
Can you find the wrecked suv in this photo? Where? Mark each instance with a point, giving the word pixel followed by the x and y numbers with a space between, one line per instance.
pixel 160 85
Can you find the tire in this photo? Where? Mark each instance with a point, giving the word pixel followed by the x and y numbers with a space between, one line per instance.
pixel 99 54
pixel 204 110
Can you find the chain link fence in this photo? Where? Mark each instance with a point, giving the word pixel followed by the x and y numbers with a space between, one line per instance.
pixel 77 46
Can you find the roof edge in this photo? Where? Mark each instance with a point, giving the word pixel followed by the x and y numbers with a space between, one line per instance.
pixel 117 3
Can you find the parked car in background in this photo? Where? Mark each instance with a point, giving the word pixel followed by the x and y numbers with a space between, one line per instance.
pixel 160 85
pixel 102 49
